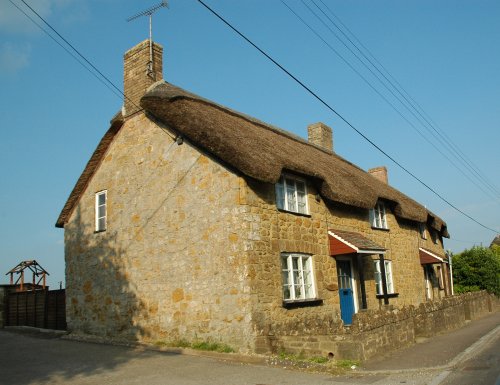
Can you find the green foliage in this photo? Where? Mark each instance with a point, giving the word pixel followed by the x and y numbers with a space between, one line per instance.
pixel 212 347
pixel 460 289
pixel 199 345
pixel 347 363
pixel 301 358
pixel 477 269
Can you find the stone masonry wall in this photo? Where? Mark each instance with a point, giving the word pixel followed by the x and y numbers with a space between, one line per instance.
pixel 318 329
pixel 172 263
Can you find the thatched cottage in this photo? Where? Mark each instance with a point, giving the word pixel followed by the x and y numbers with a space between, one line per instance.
pixel 192 221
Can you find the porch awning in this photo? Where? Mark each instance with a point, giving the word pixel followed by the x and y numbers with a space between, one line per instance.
pixel 347 242
pixel 428 257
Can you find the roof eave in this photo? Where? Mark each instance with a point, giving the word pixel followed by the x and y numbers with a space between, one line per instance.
pixel 89 170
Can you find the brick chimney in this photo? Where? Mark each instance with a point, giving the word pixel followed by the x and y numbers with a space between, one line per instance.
pixel 380 173
pixel 139 73
pixel 320 135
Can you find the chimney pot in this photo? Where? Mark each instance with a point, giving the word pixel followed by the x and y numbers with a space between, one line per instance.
pixel 137 74
pixel 380 173
pixel 320 135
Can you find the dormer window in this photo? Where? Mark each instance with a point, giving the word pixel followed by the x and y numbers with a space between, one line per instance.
pixel 291 194
pixel 378 218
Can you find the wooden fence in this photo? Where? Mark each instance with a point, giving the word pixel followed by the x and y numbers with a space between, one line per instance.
pixel 40 308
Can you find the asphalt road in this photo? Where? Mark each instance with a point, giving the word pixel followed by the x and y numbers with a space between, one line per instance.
pixel 33 358
pixel 482 369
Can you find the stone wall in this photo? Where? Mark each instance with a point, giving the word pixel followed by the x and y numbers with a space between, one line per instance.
pixel 376 332
pixel 283 328
pixel 172 262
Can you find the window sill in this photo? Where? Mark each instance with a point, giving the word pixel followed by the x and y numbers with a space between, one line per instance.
pixel 291 304
pixel 294 212
pixel 391 295
pixel 380 228
pixel 99 231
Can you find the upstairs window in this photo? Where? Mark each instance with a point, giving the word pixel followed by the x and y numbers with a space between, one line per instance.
pixel 388 277
pixel 378 218
pixel 422 230
pixel 291 195
pixel 298 279
pixel 435 236
pixel 100 210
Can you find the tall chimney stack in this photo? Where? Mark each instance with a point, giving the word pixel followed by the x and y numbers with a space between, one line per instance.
pixel 380 173
pixel 320 135
pixel 140 72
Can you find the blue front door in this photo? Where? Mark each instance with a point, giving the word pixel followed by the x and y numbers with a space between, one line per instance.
pixel 344 274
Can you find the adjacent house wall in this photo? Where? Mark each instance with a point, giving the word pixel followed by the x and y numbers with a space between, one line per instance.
pixel 172 263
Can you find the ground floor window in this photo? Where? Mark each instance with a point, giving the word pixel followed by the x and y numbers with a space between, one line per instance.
pixel 388 277
pixel 298 277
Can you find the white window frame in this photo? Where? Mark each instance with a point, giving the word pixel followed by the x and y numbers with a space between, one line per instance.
pixel 428 283
pixel 298 282
pixel 422 230
pixel 101 219
pixel 378 217
pixel 289 196
pixel 388 277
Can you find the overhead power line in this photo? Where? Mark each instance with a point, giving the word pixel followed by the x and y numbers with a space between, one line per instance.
pixel 311 92
pixel 79 57
pixel 400 89
pixel 382 96
pixel 322 101
pixel 447 145
pixel 64 48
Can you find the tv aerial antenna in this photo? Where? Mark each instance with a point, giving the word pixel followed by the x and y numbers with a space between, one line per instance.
pixel 149 12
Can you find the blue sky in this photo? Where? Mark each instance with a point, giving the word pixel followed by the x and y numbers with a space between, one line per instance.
pixel 445 54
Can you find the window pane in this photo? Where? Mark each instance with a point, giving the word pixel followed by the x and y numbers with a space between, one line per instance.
pixel 308 291
pixel 301 201
pixel 378 278
pixel 280 195
pixel 301 187
pixel 290 196
pixel 101 224
pixel 101 199
pixel 297 282
pixel 101 211
pixel 286 292
pixel 285 277
pixel 299 293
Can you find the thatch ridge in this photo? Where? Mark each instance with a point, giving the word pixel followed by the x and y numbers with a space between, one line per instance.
pixel 263 152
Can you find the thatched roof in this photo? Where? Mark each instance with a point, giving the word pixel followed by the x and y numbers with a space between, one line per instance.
pixel 90 169
pixel 262 152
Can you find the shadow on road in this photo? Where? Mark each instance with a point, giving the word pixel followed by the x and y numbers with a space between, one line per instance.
pixel 30 358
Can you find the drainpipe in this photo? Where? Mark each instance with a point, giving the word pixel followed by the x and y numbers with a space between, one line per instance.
pixel 384 280
pixel 450 257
